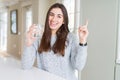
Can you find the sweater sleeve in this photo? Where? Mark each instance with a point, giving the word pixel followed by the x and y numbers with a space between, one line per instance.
pixel 29 55
pixel 78 54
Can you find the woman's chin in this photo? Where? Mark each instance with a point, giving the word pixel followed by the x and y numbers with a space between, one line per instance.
pixel 53 27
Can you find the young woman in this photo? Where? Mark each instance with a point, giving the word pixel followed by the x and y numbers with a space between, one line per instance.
pixel 58 50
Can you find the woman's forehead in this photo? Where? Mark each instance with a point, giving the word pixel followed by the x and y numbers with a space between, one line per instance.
pixel 56 11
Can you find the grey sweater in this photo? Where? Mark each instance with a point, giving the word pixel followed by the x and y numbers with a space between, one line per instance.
pixel 74 58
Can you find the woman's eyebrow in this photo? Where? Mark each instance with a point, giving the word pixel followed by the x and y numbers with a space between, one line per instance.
pixel 57 14
pixel 52 12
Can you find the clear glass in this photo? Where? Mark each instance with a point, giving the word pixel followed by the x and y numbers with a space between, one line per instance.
pixel 39 30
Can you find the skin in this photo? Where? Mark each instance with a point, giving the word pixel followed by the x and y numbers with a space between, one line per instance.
pixel 83 33
pixel 55 21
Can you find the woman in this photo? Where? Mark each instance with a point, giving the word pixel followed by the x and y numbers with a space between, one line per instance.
pixel 57 51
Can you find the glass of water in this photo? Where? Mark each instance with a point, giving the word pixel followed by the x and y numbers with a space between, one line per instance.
pixel 39 30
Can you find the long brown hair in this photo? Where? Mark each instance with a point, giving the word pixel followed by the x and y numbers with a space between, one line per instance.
pixel 61 34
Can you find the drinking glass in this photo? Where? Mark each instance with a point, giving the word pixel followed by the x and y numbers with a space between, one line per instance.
pixel 39 30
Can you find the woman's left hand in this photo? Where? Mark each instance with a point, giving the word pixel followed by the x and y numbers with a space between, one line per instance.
pixel 83 33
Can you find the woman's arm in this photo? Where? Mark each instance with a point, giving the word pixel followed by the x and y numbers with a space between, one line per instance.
pixel 31 48
pixel 79 50
pixel 78 54
pixel 29 55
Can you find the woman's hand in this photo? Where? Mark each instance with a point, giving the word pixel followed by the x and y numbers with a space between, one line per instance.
pixel 83 33
pixel 30 35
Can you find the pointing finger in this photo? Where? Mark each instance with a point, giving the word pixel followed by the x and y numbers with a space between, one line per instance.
pixel 86 24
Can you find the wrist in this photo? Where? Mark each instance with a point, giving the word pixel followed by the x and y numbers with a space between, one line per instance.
pixel 83 41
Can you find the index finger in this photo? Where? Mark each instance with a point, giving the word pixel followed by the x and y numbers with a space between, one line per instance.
pixel 86 23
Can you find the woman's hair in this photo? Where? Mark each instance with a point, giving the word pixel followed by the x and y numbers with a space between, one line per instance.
pixel 61 34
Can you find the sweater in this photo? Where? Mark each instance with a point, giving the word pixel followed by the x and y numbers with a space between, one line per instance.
pixel 63 66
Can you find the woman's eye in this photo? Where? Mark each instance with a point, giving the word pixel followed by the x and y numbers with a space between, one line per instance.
pixel 59 16
pixel 51 14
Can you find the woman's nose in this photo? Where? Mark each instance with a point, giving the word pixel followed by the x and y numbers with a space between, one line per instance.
pixel 54 18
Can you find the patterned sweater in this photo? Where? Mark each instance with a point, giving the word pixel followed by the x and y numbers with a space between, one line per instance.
pixel 63 66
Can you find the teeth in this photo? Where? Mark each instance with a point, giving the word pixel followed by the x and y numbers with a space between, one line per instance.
pixel 53 24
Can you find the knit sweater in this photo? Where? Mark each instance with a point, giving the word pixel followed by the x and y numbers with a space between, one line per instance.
pixel 63 66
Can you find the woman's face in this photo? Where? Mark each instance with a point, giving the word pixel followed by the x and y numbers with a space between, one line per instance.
pixel 55 19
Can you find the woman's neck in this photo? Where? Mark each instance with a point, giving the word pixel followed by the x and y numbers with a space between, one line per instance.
pixel 53 32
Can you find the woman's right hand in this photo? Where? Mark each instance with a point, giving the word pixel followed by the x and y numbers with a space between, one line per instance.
pixel 30 35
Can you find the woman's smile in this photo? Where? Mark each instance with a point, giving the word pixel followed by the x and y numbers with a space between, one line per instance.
pixel 55 19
